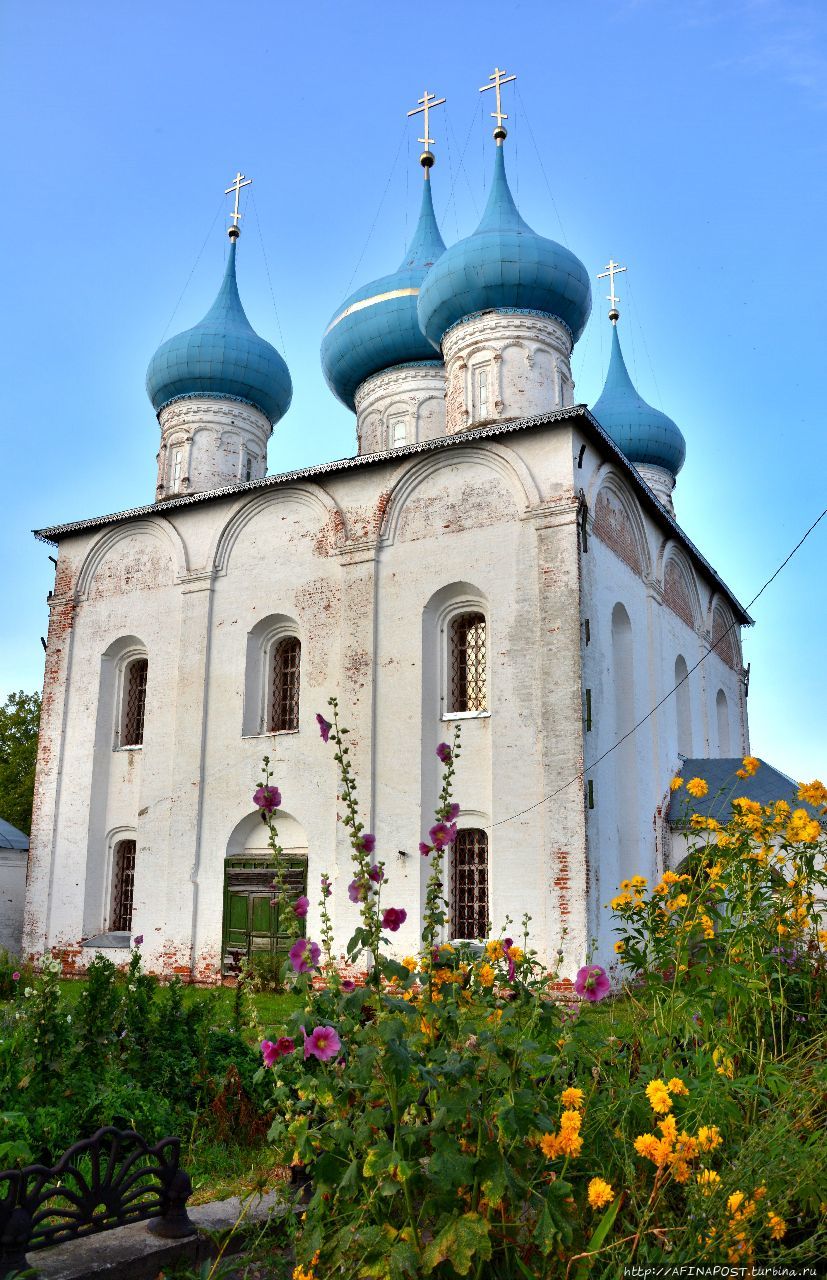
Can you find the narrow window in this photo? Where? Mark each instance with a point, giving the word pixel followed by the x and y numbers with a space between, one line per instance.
pixel 248 468
pixel 123 884
pixel 482 393
pixel 177 465
pixel 722 710
pixel 467 665
pixel 134 709
pixel 588 711
pixel 284 700
pixel 470 884
pixel 399 434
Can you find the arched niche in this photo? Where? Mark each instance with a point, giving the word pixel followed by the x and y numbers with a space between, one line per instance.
pixel 617 522
pixel 680 590
pixel 133 556
pixel 273 520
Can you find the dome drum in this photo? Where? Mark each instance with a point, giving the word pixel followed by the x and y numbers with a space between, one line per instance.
pixel 401 406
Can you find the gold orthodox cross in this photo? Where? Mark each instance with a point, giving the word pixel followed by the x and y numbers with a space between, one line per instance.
pixel 611 271
pixel 237 183
pixel 499 78
pixel 426 102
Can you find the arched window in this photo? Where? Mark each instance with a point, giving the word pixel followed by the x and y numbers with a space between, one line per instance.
pixel 123 885
pixel 722 708
pixel 133 707
pixel 469 884
pixel 467 673
pixel 683 707
pixel 284 689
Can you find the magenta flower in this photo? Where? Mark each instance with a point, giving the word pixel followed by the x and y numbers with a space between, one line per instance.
pixel 453 812
pixel 324 726
pixel 15 977
pixel 138 940
pixel 272 1052
pixel 327 887
pixel 508 943
pixel 425 849
pixel 393 917
pixel 300 906
pixel 348 985
pixel 356 891
pixel 304 955
pixel 376 874
pixel 367 842
pixel 592 983
pixel 267 798
pixel 323 1043
pixel 445 753
pixel 442 833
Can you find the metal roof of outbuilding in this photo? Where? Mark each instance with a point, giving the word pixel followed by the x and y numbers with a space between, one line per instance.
pixel 765 786
pixel 11 838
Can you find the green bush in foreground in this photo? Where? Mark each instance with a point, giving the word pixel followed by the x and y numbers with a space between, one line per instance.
pixel 457 1120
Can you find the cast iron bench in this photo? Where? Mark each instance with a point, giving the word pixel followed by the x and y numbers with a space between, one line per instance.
pixel 106 1181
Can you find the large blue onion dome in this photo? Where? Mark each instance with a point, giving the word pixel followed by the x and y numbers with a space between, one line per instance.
pixel 504 264
pixel 222 357
pixel 377 327
pixel 643 433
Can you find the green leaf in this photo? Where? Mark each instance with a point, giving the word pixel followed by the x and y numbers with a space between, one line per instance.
pixel 599 1234
pixel 459 1242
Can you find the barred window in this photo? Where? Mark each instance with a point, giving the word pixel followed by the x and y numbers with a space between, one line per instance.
pixel 134 709
pixel 123 884
pixel 469 888
pixel 467 667
pixel 284 697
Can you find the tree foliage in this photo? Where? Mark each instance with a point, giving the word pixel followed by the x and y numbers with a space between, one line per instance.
pixel 19 722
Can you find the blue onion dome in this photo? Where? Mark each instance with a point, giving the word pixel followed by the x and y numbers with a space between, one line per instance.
pixel 376 328
pixel 643 433
pixel 222 358
pixel 504 265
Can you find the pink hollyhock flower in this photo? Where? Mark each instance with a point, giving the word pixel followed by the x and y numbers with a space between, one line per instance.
pixel 300 906
pixel 508 943
pixel 425 849
pixel 270 1053
pixel 138 941
pixel 327 887
pixel 324 726
pixel 592 983
pixel 304 955
pixel 445 753
pixel 367 842
pixel 285 1045
pixel 348 985
pixel 323 1043
pixel 267 798
pixel 356 892
pixel 376 874
pixel 442 833
pixel 393 917
pixel 15 977
pixel 453 812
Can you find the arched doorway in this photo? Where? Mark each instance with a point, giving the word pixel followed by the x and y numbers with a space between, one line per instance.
pixel 254 925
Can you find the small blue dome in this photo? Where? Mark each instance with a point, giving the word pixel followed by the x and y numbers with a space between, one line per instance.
pixel 504 264
pixel 222 357
pixel 643 433
pixel 376 327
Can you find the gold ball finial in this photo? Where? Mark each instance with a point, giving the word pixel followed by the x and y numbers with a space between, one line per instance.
pixel 427 159
pixel 234 232
pixel 500 133
pixel 614 315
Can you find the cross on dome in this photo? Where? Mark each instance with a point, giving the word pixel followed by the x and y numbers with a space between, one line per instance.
pixel 237 183
pixel 499 78
pixel 426 103
pixel 611 271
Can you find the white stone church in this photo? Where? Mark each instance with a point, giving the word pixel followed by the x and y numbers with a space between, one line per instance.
pixel 494 555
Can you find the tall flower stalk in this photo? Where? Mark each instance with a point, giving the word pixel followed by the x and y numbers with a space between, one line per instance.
pixel 442 835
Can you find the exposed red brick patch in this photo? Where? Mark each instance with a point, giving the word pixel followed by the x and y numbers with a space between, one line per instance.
pixel 613 527
pixel 723 639
pixel 676 593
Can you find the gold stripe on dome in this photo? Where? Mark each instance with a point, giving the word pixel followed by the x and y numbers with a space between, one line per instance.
pixel 369 302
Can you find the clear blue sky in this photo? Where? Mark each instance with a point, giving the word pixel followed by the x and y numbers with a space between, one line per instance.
pixel 688 140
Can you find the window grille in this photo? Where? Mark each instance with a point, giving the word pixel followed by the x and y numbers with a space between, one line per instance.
pixel 135 703
pixel 470 884
pixel 468 669
pixel 284 702
pixel 123 885
pixel 482 393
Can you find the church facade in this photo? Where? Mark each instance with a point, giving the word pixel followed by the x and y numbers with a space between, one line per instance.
pixel 495 556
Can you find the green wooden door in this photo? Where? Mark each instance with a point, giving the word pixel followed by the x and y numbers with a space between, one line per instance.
pixel 253 924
